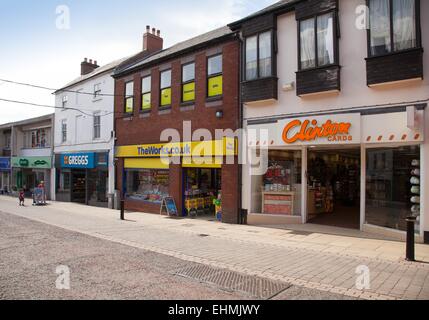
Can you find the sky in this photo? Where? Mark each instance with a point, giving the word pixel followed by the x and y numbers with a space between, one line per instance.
pixel 37 47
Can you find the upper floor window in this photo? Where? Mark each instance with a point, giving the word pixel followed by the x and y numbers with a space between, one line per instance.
pixel 317 41
pixel 36 138
pixel 64 101
pixel 97 90
pixel 8 139
pixel 97 126
pixel 129 97
pixel 215 76
pixel 188 82
pixel 165 88
pixel 146 93
pixel 392 26
pixel 63 130
pixel 259 56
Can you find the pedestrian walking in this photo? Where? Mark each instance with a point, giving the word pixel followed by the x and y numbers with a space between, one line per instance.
pixel 21 198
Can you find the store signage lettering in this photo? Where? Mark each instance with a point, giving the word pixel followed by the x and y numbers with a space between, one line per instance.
pixel 80 160
pixel 32 162
pixel 5 163
pixel 76 160
pixel 311 131
pixel 158 151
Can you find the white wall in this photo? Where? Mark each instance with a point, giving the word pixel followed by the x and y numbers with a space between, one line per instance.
pixel 353 51
pixel 80 129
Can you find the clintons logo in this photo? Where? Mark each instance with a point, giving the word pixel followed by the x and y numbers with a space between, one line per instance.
pixel 311 130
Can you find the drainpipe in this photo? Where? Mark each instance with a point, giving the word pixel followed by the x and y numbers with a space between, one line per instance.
pixel 240 126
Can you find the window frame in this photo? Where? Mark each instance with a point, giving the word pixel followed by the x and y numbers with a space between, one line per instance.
pixel 143 93
pixel 391 34
pixel 336 36
pixel 273 53
pixel 64 132
pixel 126 98
pixel 167 106
pixel 214 75
pixel 64 101
pixel 97 92
pixel 96 126
pixel 194 80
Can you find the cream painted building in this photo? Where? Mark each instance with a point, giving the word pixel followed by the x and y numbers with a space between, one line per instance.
pixel 340 91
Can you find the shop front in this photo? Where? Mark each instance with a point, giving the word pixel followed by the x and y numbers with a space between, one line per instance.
pixel 341 170
pixel 152 173
pixel 29 173
pixel 83 178
pixel 5 169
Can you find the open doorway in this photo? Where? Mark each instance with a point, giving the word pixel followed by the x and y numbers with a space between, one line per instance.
pixel 334 187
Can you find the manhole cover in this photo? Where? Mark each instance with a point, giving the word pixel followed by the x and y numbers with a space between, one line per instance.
pixel 256 287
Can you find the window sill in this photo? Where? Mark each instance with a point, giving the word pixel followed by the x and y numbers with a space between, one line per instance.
pixel 164 108
pixel 259 79
pixel 215 98
pixel 418 49
pixel 187 103
pixel 328 66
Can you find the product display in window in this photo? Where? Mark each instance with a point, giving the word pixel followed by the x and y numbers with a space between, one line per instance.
pixel 202 188
pixel 151 185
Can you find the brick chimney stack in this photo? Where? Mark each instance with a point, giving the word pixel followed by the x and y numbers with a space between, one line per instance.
pixel 152 41
pixel 88 66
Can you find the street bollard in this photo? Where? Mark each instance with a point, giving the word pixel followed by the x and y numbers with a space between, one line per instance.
pixel 122 209
pixel 411 239
pixel 243 216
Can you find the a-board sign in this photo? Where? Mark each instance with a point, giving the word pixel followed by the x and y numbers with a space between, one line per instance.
pixel 169 207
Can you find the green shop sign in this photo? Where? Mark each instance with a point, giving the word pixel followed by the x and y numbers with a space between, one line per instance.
pixel 32 162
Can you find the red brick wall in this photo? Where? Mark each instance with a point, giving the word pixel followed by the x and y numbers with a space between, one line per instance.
pixel 147 130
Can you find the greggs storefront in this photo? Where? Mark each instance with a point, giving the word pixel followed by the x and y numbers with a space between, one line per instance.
pixel 199 176
pixel 358 170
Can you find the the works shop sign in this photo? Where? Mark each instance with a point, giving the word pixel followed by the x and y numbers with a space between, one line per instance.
pixel 78 160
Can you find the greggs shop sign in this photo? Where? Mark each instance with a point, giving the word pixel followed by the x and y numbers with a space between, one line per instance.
pixel 333 129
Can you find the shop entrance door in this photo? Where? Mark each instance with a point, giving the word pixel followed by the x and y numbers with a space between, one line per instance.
pixel 334 187
pixel 78 190
pixel 201 187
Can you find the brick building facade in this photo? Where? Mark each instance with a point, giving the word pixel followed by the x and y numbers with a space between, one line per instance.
pixel 143 124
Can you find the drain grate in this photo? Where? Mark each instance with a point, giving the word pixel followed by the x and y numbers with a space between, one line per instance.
pixel 256 287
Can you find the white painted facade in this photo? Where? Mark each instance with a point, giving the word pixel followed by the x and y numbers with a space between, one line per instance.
pixel 80 135
pixel 354 94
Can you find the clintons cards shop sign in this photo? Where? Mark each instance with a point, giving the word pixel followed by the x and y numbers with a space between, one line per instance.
pixel 332 129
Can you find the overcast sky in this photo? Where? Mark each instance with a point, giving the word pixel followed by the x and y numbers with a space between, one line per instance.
pixel 34 50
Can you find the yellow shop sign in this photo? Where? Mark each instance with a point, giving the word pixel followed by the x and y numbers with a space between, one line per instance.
pixel 226 147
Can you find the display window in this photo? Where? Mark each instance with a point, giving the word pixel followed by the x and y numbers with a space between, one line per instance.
pixel 203 192
pixel 393 187
pixel 150 185
pixel 278 191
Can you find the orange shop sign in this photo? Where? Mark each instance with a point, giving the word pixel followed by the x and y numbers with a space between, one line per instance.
pixel 322 130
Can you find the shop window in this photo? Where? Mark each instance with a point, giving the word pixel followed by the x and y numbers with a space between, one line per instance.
pixel 188 82
pixel 393 186
pixel 129 97
pixel 166 88
pixel 64 182
pixel 393 26
pixel 278 191
pixel 146 93
pixel 215 76
pixel 258 56
pixel 150 185
pixel 317 41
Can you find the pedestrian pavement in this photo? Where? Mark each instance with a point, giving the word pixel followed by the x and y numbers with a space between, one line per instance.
pixel 330 263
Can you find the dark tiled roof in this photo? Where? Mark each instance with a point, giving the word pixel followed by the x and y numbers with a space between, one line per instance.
pixel 276 6
pixel 142 59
